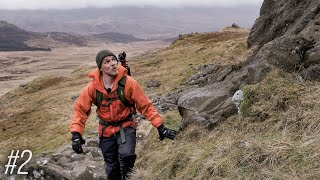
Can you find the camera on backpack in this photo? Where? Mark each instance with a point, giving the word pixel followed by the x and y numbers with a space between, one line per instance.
pixel 122 56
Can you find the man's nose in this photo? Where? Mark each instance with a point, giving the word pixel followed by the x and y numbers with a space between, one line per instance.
pixel 113 63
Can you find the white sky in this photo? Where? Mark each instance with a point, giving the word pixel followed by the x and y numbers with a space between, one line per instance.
pixel 69 4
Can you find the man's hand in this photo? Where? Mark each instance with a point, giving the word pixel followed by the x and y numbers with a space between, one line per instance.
pixel 166 133
pixel 77 142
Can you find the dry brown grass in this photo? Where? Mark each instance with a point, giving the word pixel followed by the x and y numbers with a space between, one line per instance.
pixel 37 116
pixel 174 65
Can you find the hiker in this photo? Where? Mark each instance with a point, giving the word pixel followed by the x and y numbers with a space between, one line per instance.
pixel 117 97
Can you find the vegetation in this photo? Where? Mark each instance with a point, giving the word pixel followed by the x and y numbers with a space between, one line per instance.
pixel 174 65
pixel 277 136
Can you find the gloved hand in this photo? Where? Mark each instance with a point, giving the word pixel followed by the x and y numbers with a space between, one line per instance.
pixel 166 133
pixel 77 142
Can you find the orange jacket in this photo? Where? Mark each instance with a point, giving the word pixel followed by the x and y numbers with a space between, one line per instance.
pixel 116 111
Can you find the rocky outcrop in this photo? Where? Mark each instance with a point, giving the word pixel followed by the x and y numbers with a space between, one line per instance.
pixel 288 32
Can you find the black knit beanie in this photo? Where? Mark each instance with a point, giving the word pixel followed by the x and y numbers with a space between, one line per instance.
pixel 101 55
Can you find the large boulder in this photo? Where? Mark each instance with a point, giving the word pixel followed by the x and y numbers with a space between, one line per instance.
pixel 212 104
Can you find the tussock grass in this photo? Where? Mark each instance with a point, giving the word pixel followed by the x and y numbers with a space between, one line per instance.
pixel 174 65
pixel 36 116
pixel 284 145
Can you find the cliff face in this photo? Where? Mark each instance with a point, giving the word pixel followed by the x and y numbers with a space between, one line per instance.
pixel 288 32
pixel 285 17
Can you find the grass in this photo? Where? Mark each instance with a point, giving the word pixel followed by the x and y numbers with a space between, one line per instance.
pixel 37 116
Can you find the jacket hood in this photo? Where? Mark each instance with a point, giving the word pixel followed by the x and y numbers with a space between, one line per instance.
pixel 97 80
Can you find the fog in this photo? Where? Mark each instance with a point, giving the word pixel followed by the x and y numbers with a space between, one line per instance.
pixel 74 4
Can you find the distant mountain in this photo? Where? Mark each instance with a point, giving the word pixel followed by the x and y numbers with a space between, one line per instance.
pixel 117 37
pixel 142 22
pixel 13 38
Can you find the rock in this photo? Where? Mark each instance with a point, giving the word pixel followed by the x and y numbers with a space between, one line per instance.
pixel 206 72
pixel 287 32
pixel 257 71
pixel 92 142
pixel 63 160
pixel 223 72
pixel 36 174
pixel 237 98
pixel 281 52
pixel 210 100
pixel 151 84
pixel 281 17
pixel 312 73
pixel 234 25
pixel 77 157
pixel 226 110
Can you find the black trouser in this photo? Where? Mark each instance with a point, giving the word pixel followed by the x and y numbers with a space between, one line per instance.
pixel 119 158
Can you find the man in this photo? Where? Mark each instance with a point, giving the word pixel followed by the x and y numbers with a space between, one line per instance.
pixel 117 125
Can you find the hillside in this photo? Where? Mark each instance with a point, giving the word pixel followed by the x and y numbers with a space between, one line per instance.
pixel 40 111
pixel 276 136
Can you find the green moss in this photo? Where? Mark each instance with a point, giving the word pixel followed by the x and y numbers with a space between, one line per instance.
pixel 248 99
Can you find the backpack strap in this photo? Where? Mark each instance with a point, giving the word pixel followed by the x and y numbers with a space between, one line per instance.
pixel 120 92
pixel 99 97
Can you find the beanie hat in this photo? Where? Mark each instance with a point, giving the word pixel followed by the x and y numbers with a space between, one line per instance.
pixel 101 55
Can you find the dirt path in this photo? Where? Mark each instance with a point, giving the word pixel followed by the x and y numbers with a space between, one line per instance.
pixel 17 68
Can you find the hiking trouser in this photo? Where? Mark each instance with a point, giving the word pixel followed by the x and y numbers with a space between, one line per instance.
pixel 119 158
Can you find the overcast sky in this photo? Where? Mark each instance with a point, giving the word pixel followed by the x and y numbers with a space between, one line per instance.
pixel 70 4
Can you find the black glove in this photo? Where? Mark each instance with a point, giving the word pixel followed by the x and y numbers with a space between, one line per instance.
pixel 77 141
pixel 166 133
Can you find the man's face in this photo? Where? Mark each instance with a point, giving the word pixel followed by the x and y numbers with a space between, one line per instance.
pixel 109 66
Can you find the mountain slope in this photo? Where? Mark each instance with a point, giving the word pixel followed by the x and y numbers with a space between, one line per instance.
pixel 12 38
pixel 276 137
pixel 47 103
